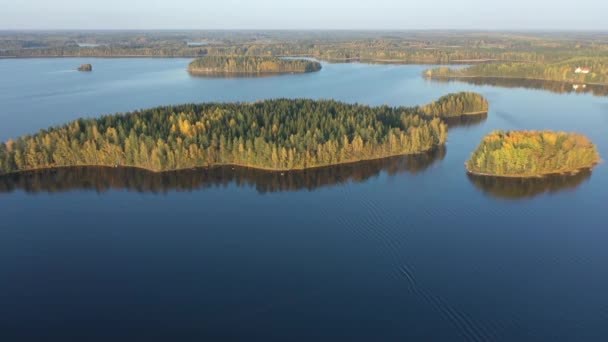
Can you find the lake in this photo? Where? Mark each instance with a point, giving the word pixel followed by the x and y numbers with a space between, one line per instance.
pixel 390 250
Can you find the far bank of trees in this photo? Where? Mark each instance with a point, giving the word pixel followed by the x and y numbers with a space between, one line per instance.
pixel 560 71
pixel 382 47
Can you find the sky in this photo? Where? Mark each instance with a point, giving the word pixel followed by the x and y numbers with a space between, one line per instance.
pixel 305 14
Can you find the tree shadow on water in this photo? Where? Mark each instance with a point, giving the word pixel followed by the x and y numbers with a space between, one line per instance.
pixel 103 179
pixel 522 188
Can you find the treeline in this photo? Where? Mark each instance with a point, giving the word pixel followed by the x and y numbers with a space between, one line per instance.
pixel 453 105
pixel 107 51
pixel 275 134
pixel 397 47
pixel 563 71
pixel 356 51
pixel 251 65
pixel 532 153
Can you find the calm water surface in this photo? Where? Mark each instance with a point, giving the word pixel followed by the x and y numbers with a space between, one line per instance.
pixel 384 251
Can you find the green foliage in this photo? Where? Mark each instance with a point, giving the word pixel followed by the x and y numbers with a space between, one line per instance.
pixel 451 105
pixel 251 65
pixel 532 153
pixel 558 71
pixel 275 134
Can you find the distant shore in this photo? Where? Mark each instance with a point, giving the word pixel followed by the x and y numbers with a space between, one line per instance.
pixel 456 78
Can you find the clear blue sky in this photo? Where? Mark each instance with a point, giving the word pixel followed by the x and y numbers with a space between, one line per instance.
pixel 304 14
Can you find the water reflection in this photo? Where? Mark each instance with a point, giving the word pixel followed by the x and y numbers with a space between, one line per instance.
pixel 515 188
pixel 466 120
pixel 552 86
pixel 103 179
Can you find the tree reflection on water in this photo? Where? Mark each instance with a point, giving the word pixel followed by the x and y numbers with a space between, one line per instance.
pixel 102 179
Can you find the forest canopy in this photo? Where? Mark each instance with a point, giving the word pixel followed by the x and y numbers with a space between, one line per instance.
pixel 282 134
pixel 250 65
pixel 532 153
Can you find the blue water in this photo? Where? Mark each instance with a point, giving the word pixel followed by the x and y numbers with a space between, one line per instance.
pixel 388 252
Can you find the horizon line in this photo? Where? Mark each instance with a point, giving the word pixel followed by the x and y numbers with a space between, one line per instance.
pixel 604 30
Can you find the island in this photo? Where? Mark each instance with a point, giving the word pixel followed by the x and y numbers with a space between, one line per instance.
pixel 279 134
pixel 456 105
pixel 526 154
pixel 579 71
pixel 85 67
pixel 250 65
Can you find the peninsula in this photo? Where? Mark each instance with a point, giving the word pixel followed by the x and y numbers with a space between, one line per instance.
pixel 250 65
pixel 281 134
pixel 524 154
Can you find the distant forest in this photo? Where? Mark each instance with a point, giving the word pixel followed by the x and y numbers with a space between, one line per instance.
pixel 416 47
pixel 564 71
pixel 251 65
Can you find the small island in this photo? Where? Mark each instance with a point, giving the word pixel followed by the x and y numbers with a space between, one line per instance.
pixel 456 105
pixel 250 66
pixel 281 134
pixel 524 154
pixel 85 67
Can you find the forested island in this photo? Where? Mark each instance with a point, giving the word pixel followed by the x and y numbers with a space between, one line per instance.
pixel 532 154
pixel 250 65
pixel 280 134
pixel 574 70
pixel 458 104
pixel 85 67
